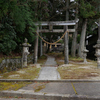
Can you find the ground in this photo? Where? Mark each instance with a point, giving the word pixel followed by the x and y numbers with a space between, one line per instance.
pixel 76 69
pixel 56 88
pixel 30 72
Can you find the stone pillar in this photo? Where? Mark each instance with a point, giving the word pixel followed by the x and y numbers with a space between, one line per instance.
pixel 25 53
pixel 85 51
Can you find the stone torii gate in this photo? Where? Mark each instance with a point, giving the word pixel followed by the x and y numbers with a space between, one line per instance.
pixel 51 24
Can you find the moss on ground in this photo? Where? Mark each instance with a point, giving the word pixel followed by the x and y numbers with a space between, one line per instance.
pixel 39 88
pixel 12 85
pixel 25 73
pixel 78 70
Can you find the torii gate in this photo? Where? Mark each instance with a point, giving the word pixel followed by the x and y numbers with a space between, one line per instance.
pixel 51 24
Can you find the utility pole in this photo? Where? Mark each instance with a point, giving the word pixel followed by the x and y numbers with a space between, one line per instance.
pixel 66 38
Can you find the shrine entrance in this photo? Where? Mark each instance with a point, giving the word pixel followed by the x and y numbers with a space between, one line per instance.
pixel 51 24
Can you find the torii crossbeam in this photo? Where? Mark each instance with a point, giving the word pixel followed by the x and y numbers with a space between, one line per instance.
pixel 56 23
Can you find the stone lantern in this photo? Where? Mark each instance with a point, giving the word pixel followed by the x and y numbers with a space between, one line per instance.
pixel 85 51
pixel 97 53
pixel 97 46
pixel 25 53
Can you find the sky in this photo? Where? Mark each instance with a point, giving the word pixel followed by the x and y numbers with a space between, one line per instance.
pixel 71 0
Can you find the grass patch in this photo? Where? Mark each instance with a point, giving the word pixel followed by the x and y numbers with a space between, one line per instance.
pixel 79 71
pixel 56 55
pixel 59 62
pixel 76 59
pixel 39 88
pixel 60 56
pixel 42 59
pixel 25 73
pixel 12 85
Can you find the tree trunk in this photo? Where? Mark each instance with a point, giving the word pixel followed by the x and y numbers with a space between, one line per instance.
pixel 74 42
pixel 36 47
pixel 82 39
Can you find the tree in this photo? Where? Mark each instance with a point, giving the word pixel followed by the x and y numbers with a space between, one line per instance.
pixel 86 11
pixel 15 21
pixel 7 32
pixel 74 41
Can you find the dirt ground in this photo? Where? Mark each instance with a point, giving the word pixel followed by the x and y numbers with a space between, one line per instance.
pixel 79 70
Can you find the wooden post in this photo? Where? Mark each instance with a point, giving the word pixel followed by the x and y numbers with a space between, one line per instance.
pixel 36 47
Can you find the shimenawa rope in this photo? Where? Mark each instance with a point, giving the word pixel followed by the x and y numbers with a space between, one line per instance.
pixel 54 42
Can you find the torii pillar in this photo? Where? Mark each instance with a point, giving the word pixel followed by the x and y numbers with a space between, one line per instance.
pixel 36 48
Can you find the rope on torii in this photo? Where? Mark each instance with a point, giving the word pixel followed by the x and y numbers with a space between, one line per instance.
pixel 53 42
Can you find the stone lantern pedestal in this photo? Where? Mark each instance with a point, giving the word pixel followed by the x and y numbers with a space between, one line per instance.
pixel 25 53
pixel 85 51
pixel 97 53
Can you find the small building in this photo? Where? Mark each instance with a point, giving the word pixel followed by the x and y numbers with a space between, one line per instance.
pixel 92 40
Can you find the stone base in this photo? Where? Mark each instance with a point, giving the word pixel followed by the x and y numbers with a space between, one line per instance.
pixel 24 64
pixel 98 66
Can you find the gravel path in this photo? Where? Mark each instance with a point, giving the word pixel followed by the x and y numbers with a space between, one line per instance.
pixel 50 61
pixel 48 72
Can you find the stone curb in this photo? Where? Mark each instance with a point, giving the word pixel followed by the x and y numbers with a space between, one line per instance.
pixel 45 96
pixel 28 80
